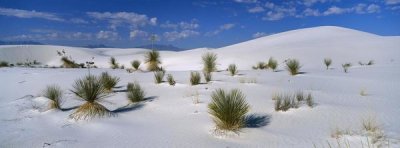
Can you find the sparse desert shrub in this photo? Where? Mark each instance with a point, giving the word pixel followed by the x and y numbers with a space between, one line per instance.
pixel 310 100
pixel 207 76
pixel 171 80
pixel 272 63
pixel 135 64
pixel 91 90
pixel 152 58
pixel 122 67
pixel 232 69
pixel 209 62
pixel 327 62
pixel 346 66
pixel 54 93
pixel 4 64
pixel 135 93
pixel 261 65
pixel 293 66
pixel 228 109
pixel 299 96
pixel 113 62
pixel 285 101
pixel 370 124
pixel 67 63
pixel 159 76
pixel 195 78
pixel 371 62
pixel 108 81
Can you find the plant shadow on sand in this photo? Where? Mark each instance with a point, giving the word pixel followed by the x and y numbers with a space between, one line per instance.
pixel 133 106
pixel 256 120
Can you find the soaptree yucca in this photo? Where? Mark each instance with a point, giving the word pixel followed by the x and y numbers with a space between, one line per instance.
pixel 113 63
pixel 108 81
pixel 272 63
pixel 152 58
pixel 293 66
pixel 228 110
pixel 209 62
pixel 67 63
pixel 195 78
pixel 346 66
pixel 54 93
pixel 207 76
pixel 232 69
pixel 159 76
pixel 91 90
pixel 135 64
pixel 327 62
pixel 171 80
pixel 135 93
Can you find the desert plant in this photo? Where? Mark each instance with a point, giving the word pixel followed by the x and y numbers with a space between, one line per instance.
pixel 371 62
pixel 370 124
pixel 170 79
pixel 310 100
pixel 54 93
pixel 159 76
pixel 135 93
pixel 228 109
pixel 207 76
pixel 135 64
pixel 299 96
pixel 67 63
pixel 261 65
pixel 152 58
pixel 113 62
pixel 285 101
pixel 108 81
pixel 232 69
pixel 293 66
pixel 209 62
pixel 91 90
pixel 346 66
pixel 195 78
pixel 327 62
pixel 4 64
pixel 272 63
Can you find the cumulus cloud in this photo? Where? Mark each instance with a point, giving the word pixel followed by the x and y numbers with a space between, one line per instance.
pixel 312 2
pixel 259 34
pixel 246 1
pixel 256 9
pixel 78 21
pixel 107 35
pixel 44 35
pixel 138 33
pixel 117 19
pixel 29 14
pixel 181 25
pixel 221 28
pixel 392 2
pixel 176 35
pixel 359 9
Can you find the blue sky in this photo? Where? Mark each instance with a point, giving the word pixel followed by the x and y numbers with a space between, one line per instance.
pixel 185 23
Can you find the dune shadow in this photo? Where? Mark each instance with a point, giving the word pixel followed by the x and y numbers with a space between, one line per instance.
pixel 302 73
pixel 122 90
pixel 129 107
pixel 256 120
pixel 278 71
pixel 69 108
pixel 119 86
pixel 151 98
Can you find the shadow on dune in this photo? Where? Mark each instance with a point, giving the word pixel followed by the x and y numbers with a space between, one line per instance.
pixel 256 120
pixel 129 107
pixel 69 108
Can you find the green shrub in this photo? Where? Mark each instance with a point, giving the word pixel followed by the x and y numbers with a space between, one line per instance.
pixel 67 63
pixel 228 109
pixel 152 58
pixel 261 65
pixel 135 93
pixel 207 76
pixel 310 100
pixel 272 63
pixel 286 101
pixel 135 64
pixel 195 78
pixel 232 69
pixel 54 93
pixel 327 62
pixel 300 96
pixel 346 66
pixel 91 90
pixel 293 66
pixel 170 79
pixel 108 81
pixel 113 62
pixel 209 62
pixel 4 64
pixel 159 76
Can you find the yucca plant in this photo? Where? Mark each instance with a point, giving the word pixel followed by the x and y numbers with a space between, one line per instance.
pixel 284 102
pixel 54 93
pixel 91 90
pixel 310 100
pixel 232 69
pixel 171 80
pixel 207 76
pixel 273 64
pixel 152 58
pixel 135 64
pixel 113 62
pixel 159 76
pixel 195 78
pixel 67 63
pixel 209 62
pixel 228 110
pixel 327 62
pixel 299 96
pixel 4 64
pixel 346 66
pixel 371 62
pixel 108 81
pixel 293 66
pixel 261 65
pixel 135 93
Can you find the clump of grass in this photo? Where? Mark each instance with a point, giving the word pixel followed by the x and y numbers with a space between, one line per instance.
pixel 370 124
pixel 209 62
pixel 299 96
pixel 135 93
pixel 310 100
pixel 91 90
pixel 327 62
pixel 232 69
pixel 108 81
pixel 261 65
pixel 195 78
pixel 159 76
pixel 207 76
pixel 293 66
pixel 4 64
pixel 113 62
pixel 346 66
pixel 67 63
pixel 228 110
pixel 171 80
pixel 152 58
pixel 285 101
pixel 371 62
pixel 135 64
pixel 54 93
pixel 273 64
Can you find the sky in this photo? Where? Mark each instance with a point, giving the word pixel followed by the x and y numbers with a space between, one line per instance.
pixel 184 23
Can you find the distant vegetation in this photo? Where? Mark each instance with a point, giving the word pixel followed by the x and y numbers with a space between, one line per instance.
pixel 171 80
pixel 159 76
pixel 327 62
pixel 152 59
pixel 135 93
pixel 54 93
pixel 293 66
pixel 113 63
pixel 273 64
pixel 232 69
pixel 195 78
pixel 4 64
pixel 346 66
pixel 286 101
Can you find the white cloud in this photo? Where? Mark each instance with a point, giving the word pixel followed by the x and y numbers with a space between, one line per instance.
pixel 309 3
pixel 181 25
pixel 29 14
pixel 335 10
pixel 44 35
pixel 138 33
pixel 279 12
pixel 311 12
pixel 246 1
pixel 119 18
pixel 259 34
pixel 256 9
pixel 176 35
pixel 78 21
pixel 392 2
pixel 221 28
pixel 372 8
pixel 107 35
pixel 359 9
